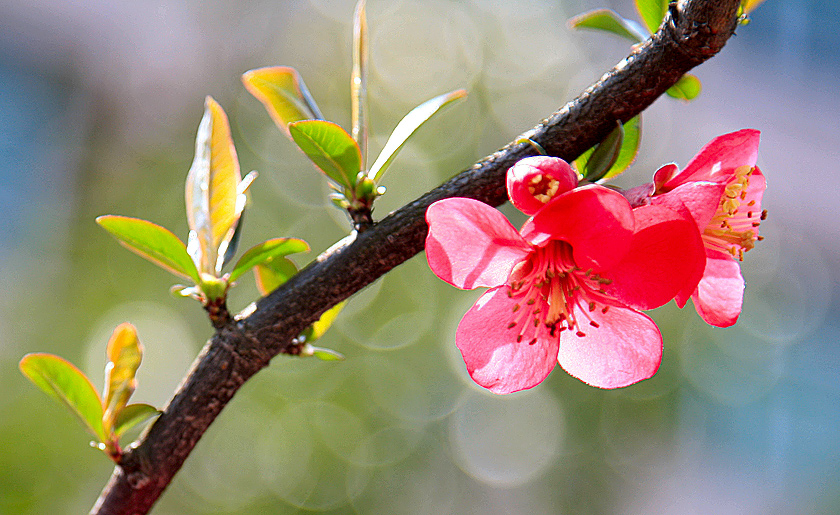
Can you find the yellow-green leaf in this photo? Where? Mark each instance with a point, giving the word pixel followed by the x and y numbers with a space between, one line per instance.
pixel 329 146
pixel 358 81
pixel 320 327
pixel 124 354
pixel 132 415
pixel 608 21
pixel 212 187
pixel 410 123
pixel 272 273
pixel 65 383
pixel 652 12
pixel 687 88
pixel 265 251
pixel 152 242
pixel 283 93
pixel 748 6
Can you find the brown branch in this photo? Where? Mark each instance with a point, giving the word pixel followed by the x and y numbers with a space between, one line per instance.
pixel 690 34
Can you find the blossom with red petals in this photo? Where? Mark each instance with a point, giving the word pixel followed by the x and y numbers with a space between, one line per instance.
pixel 567 288
pixel 721 188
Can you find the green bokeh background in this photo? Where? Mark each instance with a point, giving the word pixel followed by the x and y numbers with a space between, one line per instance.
pixel 99 103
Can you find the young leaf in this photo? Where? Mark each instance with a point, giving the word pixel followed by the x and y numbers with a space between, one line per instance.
pixel 152 242
pixel 320 327
pixel 748 6
pixel 132 415
pixel 687 88
pixel 629 147
pixel 605 155
pixel 227 249
pixel 124 354
pixel 410 123
pixel 212 186
pixel 652 12
pixel 265 251
pixel 323 354
pixel 330 148
pixel 283 93
pixel 272 273
pixel 609 21
pixel 62 381
pixel 358 81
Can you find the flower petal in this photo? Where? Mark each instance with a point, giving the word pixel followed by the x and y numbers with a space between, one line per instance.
pixel 596 221
pixel 470 244
pixel 625 349
pixel 494 358
pixel 721 155
pixel 666 257
pixel 549 176
pixel 699 200
pixel 720 294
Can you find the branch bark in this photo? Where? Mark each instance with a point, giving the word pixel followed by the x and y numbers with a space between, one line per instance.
pixel 693 31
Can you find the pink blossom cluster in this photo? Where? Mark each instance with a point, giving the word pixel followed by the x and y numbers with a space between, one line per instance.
pixel 570 286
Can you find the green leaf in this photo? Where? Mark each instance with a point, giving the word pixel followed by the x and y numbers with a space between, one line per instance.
pixel 283 93
pixel 604 156
pixel 358 81
pixel 212 189
pixel 272 273
pixel 65 383
pixel 629 147
pixel 330 148
pixel 410 123
pixel 132 415
pixel 265 251
pixel 687 88
pixel 152 242
pixel 652 12
pixel 609 21
pixel 124 354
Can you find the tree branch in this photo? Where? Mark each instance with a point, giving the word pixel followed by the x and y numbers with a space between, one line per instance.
pixel 691 33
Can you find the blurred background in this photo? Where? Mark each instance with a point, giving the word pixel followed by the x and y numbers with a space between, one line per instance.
pixel 99 104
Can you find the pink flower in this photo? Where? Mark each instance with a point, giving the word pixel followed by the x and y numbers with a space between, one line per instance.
pixel 566 288
pixel 721 188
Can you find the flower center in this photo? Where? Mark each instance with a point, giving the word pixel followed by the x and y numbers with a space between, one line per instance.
pixel 543 187
pixel 548 286
pixel 734 228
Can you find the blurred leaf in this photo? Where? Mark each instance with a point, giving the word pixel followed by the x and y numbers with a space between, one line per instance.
pixel 410 123
pixel 152 242
pixel 326 354
pixel 597 163
pixel 748 6
pixel 212 186
pixel 358 81
pixel 330 148
pixel 62 381
pixel 132 415
pixel 609 21
pixel 652 12
pixel 124 354
pixel 265 251
pixel 272 273
pixel 687 88
pixel 283 93
pixel 321 326
pixel 629 147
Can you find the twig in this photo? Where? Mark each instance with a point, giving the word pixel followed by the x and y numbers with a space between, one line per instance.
pixel 690 34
